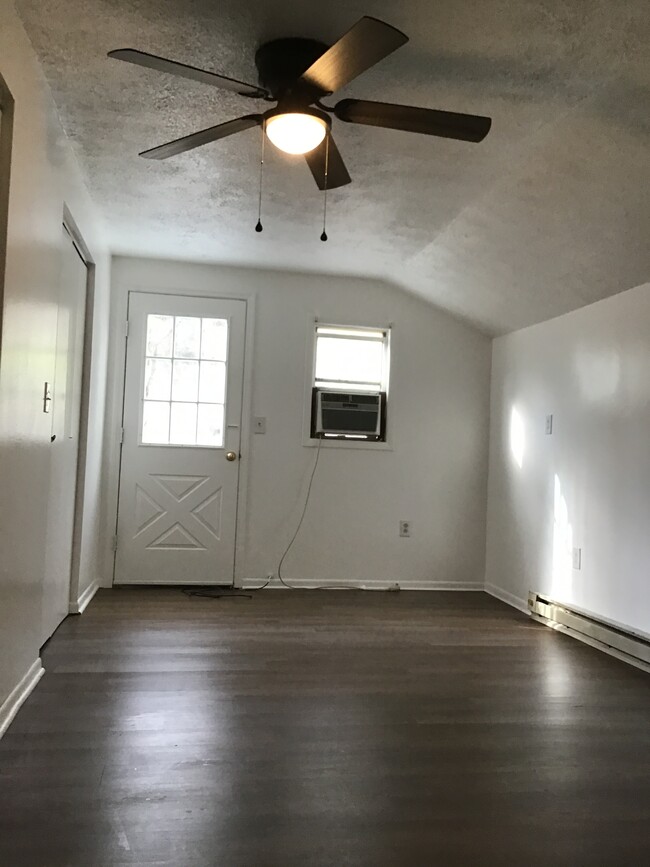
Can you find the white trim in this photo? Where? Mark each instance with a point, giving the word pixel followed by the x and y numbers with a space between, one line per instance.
pixel 84 600
pixel 508 598
pixel 372 445
pixel 593 615
pixel 245 441
pixel 310 376
pixel 115 404
pixel 19 693
pixel 78 531
pixel 349 584
pixel 592 642
pixel 625 645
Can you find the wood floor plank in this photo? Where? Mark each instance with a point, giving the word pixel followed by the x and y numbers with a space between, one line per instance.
pixel 324 728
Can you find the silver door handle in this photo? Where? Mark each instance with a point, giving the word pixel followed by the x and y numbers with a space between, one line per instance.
pixel 231 456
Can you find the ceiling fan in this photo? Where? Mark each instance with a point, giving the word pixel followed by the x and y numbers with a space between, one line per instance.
pixel 297 74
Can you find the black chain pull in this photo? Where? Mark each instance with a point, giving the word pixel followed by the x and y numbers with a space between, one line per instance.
pixel 259 227
pixel 323 236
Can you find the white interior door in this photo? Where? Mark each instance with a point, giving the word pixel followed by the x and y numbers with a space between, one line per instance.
pixel 180 453
pixel 65 410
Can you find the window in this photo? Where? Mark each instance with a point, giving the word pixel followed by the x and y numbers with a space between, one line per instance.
pixel 184 388
pixel 352 361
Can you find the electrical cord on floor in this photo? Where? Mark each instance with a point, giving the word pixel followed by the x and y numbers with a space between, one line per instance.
pixel 215 593
pixel 262 586
pixel 295 536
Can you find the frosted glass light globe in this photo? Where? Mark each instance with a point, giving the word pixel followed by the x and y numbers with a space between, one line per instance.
pixel 295 132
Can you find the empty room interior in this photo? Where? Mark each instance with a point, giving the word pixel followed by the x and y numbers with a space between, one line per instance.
pixel 324 433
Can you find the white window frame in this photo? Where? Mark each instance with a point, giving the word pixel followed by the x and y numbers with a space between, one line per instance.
pixel 172 358
pixel 310 382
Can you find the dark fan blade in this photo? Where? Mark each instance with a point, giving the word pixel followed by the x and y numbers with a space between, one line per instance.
pixel 151 61
pixel 365 44
pixel 448 124
pixel 205 136
pixel 337 174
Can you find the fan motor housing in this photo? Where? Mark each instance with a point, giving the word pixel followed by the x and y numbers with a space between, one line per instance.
pixel 280 64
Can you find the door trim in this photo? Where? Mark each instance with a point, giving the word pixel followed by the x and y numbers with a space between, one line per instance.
pixel 77 239
pixel 115 412
pixel 6 143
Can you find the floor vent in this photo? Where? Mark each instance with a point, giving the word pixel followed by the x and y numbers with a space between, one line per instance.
pixel 624 645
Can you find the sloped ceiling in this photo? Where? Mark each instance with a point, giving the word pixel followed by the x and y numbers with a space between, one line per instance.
pixel 550 212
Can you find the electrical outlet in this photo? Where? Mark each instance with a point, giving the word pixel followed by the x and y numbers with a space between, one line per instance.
pixel 259 425
pixel 393 588
pixel 405 528
pixel 577 558
pixel 549 424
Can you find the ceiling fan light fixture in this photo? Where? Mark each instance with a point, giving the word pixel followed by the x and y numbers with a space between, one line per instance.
pixel 296 132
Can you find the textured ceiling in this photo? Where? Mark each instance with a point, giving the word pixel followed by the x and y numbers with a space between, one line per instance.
pixel 549 213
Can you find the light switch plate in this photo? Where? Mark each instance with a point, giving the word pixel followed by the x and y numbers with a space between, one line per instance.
pixel 259 424
pixel 549 424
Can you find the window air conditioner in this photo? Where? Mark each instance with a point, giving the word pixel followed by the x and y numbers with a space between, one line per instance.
pixel 348 413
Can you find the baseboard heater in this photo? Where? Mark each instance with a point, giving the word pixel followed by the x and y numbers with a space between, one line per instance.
pixel 627 645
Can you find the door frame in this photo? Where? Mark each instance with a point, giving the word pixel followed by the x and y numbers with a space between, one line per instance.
pixel 86 358
pixel 6 143
pixel 115 407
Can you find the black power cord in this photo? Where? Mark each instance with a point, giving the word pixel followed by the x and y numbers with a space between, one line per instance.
pixel 221 592
pixel 295 536
pixel 215 593
pixel 302 518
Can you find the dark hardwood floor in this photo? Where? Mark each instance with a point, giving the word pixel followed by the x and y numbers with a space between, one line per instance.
pixel 324 728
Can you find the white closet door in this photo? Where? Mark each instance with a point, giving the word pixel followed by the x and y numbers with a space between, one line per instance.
pixel 65 409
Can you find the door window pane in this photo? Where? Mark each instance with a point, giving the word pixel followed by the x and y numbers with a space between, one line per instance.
pixel 155 422
pixel 210 425
pixel 212 387
pixel 349 360
pixel 184 388
pixel 160 332
pixel 182 428
pixel 157 378
pixel 187 337
pixel 185 384
pixel 214 339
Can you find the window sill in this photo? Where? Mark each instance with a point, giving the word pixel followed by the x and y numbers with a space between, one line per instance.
pixel 309 443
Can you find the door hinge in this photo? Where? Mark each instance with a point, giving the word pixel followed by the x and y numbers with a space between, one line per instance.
pixel 121 440
pixel 114 543
pixel 126 328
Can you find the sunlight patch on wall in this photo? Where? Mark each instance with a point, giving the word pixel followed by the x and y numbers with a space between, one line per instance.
pixel 562 567
pixel 517 437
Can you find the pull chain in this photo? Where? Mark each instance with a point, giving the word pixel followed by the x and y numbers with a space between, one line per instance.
pixel 323 237
pixel 259 227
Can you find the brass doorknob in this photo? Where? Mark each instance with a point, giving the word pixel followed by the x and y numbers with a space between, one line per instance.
pixel 231 456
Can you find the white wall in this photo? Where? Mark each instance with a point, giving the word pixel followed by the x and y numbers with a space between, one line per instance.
pixel 44 178
pixel 588 484
pixel 435 475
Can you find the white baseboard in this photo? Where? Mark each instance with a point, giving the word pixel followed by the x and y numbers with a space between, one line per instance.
pixel 374 584
pixel 508 598
pixel 592 642
pixel 83 601
pixel 19 693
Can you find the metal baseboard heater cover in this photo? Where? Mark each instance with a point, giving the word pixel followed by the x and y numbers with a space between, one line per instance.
pixel 626 643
